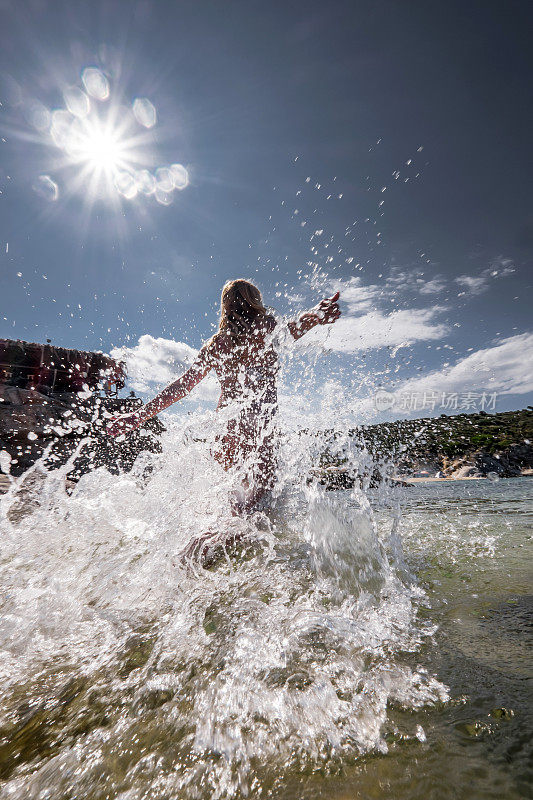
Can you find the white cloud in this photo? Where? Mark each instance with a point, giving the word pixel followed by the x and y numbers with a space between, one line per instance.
pixel 155 362
pixel 502 267
pixel 357 297
pixel 477 284
pixel 506 368
pixel 404 278
pixel 413 280
pixel 375 329
pixel 434 286
pixel 365 323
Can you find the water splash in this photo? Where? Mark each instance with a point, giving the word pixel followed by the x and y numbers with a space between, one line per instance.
pixel 130 672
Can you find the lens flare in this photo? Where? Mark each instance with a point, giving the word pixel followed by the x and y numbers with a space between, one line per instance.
pixel 107 145
pixel 96 83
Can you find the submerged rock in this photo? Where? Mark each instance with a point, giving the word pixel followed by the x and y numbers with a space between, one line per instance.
pixel 502 713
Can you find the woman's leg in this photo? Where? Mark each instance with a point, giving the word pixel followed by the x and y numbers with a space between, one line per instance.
pixel 259 465
pixel 262 473
pixel 245 445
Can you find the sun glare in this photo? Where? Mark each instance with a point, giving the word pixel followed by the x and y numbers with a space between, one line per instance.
pixel 102 144
pixel 100 149
pixel 108 147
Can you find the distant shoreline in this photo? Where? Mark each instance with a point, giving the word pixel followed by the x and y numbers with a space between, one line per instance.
pixel 525 474
pixel 456 447
pixel 440 480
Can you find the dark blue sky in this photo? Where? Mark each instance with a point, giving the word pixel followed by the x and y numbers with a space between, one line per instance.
pixel 254 98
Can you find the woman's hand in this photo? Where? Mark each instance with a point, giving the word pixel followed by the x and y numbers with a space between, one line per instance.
pixel 123 424
pixel 328 310
pixel 325 313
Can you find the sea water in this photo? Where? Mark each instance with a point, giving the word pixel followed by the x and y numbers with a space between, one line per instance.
pixel 370 643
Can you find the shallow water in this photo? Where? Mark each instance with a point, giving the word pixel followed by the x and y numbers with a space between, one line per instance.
pixel 350 650
pixel 469 543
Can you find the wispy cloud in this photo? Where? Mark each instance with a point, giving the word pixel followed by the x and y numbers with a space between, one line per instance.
pixel 375 330
pixel 504 368
pixel 474 284
pixel 477 284
pixel 414 281
pixel 368 323
pixel 371 317
pixel 433 286
pixel 356 296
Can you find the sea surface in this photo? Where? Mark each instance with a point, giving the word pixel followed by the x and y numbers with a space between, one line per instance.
pixel 364 644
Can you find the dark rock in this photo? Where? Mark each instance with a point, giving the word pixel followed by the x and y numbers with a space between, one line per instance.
pixel 51 405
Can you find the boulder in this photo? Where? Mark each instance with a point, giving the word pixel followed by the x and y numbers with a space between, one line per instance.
pixel 466 471
pixel 512 462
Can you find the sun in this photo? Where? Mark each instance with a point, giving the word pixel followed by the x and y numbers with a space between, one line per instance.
pixel 100 149
pixel 107 146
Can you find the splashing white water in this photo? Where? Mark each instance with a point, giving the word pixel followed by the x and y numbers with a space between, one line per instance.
pixel 148 674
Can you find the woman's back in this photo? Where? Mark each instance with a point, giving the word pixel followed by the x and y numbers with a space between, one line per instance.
pixel 246 363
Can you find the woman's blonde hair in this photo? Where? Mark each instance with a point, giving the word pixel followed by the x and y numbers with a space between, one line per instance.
pixel 240 305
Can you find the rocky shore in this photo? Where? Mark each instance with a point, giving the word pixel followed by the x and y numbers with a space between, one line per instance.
pixel 459 447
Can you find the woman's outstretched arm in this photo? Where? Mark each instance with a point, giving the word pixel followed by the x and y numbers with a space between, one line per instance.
pixel 175 391
pixel 326 313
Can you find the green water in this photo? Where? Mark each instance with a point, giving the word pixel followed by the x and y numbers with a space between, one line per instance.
pixel 470 544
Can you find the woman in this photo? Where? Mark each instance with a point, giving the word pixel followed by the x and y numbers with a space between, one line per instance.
pixel 245 361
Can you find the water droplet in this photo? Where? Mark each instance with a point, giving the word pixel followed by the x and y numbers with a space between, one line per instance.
pixel 5 462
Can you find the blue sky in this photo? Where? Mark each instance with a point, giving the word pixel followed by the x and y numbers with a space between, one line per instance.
pixel 376 147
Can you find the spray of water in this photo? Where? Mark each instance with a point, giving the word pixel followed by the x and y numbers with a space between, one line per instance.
pixel 130 671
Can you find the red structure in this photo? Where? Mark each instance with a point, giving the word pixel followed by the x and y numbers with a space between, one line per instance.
pixel 48 369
